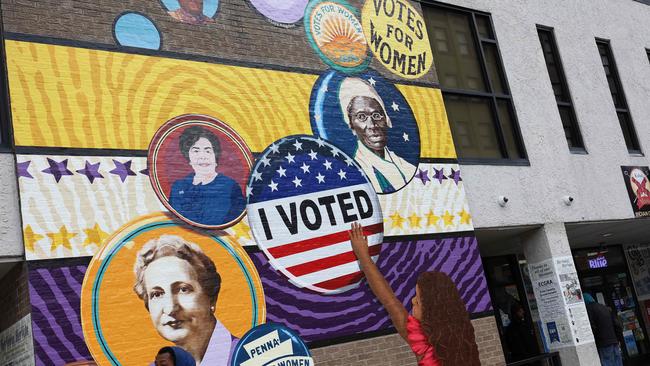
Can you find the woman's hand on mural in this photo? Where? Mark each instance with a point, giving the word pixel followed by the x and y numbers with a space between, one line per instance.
pixel 359 242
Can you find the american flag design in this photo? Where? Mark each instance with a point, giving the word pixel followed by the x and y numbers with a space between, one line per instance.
pixel 303 195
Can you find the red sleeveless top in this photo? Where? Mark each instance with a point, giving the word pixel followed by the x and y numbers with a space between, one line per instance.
pixel 419 343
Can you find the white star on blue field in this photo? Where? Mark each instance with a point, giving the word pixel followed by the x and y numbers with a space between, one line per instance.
pixel 298 165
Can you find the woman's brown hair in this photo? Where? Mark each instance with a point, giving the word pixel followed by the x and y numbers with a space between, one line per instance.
pixel 446 322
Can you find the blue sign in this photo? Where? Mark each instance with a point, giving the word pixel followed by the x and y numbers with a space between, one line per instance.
pixel 552 332
pixel 271 344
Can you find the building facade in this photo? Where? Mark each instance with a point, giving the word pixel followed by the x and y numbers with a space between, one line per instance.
pixel 502 144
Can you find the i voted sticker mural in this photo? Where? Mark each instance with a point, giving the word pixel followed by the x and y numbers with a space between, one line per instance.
pixel 336 34
pixel 271 345
pixel 303 195
pixel 368 118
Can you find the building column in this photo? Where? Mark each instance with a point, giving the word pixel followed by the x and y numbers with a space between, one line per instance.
pixel 561 307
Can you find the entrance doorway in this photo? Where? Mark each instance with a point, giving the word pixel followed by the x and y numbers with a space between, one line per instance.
pixel 603 273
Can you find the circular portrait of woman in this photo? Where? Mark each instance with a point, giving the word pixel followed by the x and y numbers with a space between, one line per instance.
pixel 192 11
pixel 158 283
pixel 369 119
pixel 199 167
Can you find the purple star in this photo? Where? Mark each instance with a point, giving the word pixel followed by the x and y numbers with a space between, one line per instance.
pixel 423 176
pixel 57 169
pixel 122 169
pixel 455 175
pixel 91 171
pixel 23 169
pixel 144 171
pixel 439 175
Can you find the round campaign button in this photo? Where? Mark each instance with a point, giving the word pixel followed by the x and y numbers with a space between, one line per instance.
pixel 303 195
pixel 285 13
pixel 397 35
pixel 366 116
pixel 155 263
pixel 271 345
pixel 198 167
pixel 335 32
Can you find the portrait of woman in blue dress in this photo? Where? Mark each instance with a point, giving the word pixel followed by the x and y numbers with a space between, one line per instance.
pixel 205 196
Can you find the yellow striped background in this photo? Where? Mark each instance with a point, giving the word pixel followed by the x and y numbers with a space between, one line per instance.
pixel 72 97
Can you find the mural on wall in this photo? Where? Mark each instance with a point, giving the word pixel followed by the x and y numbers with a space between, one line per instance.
pixel 303 195
pixel 397 36
pixel 198 168
pixel 638 188
pixel 195 12
pixel 136 30
pixel 283 13
pixel 224 192
pixel 198 291
pixel 270 345
pixel 71 204
pixel 370 120
pixel 334 31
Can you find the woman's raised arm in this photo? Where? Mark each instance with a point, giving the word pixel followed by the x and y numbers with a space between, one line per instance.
pixel 376 280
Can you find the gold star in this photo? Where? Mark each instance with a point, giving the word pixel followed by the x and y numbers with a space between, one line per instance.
pixel 432 219
pixel 448 218
pixel 62 238
pixel 30 238
pixel 242 230
pixel 397 220
pixel 465 217
pixel 95 235
pixel 414 220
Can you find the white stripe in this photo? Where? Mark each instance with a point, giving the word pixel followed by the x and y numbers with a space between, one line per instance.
pixel 333 272
pixel 328 251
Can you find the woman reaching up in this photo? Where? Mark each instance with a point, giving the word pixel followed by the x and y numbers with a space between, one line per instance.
pixel 438 330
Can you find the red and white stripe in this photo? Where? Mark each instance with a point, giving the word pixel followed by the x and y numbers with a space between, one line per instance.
pixel 322 260
pixel 325 263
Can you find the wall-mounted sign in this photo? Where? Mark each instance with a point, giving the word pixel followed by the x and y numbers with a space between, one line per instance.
pixel 638 188
pixel 397 36
pixel 16 347
pixel 598 262
pixel 559 299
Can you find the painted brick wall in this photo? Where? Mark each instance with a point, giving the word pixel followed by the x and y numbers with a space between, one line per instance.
pixel 14 299
pixel 391 350
pixel 65 69
pixel 241 33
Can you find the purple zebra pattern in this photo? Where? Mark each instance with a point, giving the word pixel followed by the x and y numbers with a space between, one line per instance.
pixel 56 321
pixel 55 297
pixel 318 317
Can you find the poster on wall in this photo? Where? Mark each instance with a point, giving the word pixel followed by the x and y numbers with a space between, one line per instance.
pixel 16 347
pixel 638 259
pixel 559 299
pixel 573 300
pixel 638 188
pixel 549 301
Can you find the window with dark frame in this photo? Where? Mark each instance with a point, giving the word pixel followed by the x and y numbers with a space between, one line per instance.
pixel 618 97
pixel 560 89
pixel 473 84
